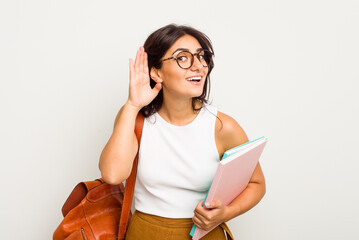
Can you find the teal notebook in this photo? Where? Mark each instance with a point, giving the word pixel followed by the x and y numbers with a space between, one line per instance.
pixel 225 155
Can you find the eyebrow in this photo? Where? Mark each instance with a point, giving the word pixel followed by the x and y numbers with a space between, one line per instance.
pixel 186 49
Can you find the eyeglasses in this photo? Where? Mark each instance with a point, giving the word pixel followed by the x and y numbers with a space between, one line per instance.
pixel 185 59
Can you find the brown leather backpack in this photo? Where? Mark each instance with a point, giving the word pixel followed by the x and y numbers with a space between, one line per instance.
pixel 96 210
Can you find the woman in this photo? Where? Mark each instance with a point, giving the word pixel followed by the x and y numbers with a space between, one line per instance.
pixel 183 140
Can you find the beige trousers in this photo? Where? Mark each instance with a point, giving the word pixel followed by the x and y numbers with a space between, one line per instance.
pixel 144 226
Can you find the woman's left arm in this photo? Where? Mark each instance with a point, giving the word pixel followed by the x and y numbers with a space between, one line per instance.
pixel 231 135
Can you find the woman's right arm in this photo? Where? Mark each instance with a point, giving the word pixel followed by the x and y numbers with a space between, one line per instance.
pixel 117 157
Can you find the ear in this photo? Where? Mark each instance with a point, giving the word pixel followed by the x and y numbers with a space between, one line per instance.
pixel 156 75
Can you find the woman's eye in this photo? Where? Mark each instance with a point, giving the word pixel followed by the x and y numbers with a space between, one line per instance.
pixel 182 58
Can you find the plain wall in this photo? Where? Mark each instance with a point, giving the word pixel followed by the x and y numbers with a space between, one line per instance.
pixel 284 69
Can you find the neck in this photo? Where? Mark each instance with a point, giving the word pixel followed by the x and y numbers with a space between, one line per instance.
pixel 178 112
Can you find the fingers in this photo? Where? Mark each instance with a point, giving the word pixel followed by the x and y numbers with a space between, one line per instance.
pixel 139 70
pixel 202 217
pixel 197 222
pixel 137 60
pixel 145 64
pixel 214 207
pixel 214 204
pixel 131 68
pixel 157 87
pixel 201 222
pixel 207 217
pixel 141 59
pixel 200 211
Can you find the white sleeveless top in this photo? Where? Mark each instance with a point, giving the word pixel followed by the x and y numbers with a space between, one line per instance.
pixel 176 164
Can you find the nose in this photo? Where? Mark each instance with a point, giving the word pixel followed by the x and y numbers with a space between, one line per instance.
pixel 196 63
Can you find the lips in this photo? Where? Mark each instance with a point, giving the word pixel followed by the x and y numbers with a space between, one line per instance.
pixel 194 78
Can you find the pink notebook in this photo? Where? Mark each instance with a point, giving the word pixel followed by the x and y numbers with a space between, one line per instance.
pixel 233 174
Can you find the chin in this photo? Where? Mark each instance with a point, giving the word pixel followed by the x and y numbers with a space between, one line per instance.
pixel 196 94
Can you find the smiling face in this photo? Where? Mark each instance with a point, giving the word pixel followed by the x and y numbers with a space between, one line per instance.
pixel 175 80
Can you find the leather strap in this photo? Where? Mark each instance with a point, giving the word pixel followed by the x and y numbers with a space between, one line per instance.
pixel 130 182
pixel 228 233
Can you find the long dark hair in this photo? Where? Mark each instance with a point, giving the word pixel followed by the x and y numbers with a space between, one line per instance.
pixel 157 44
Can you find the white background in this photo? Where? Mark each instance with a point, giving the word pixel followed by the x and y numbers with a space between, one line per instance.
pixel 284 69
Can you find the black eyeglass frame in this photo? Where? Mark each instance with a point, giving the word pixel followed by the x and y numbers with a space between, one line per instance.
pixel 210 54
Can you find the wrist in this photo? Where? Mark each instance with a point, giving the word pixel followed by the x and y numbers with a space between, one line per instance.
pixel 132 107
pixel 230 213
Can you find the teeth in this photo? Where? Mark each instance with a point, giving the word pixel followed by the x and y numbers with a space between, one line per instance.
pixel 194 78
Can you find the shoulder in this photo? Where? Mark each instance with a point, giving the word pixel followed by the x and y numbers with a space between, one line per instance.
pixel 228 133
